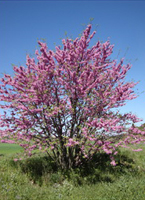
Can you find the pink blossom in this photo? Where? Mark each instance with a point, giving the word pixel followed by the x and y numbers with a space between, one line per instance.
pixel 8 141
pixel 3 141
pixel 107 151
pixel 137 150
pixel 40 148
pixel 115 152
pixel 52 147
pixel 71 142
pixel 69 98
pixel 113 163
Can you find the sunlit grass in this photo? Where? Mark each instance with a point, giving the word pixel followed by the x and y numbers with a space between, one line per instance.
pixel 9 148
pixel 38 178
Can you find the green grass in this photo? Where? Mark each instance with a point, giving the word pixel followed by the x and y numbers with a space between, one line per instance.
pixel 9 148
pixel 38 178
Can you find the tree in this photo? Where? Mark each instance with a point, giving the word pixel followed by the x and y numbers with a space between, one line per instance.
pixel 65 103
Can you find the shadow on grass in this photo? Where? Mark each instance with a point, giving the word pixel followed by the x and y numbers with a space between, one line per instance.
pixel 99 169
pixel 43 169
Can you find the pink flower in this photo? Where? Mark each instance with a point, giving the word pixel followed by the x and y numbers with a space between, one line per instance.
pixel 115 152
pixel 113 163
pixel 108 151
pixel 137 150
pixel 3 141
pixel 86 156
pixel 15 159
pixel 8 141
pixel 66 96
pixel 72 142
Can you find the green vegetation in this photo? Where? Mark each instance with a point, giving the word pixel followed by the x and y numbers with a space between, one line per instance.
pixel 38 178
pixel 9 148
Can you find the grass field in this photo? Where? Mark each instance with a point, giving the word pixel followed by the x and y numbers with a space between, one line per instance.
pixel 37 179
pixel 9 148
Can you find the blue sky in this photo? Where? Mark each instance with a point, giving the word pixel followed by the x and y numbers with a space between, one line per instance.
pixel 23 22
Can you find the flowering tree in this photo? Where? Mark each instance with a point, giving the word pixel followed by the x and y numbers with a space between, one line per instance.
pixel 64 103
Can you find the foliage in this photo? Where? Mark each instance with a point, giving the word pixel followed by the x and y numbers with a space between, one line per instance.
pixel 65 103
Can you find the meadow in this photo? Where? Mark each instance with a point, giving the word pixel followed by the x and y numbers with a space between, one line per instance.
pixel 9 149
pixel 38 178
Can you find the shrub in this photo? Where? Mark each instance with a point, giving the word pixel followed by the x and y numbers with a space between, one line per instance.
pixel 65 103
